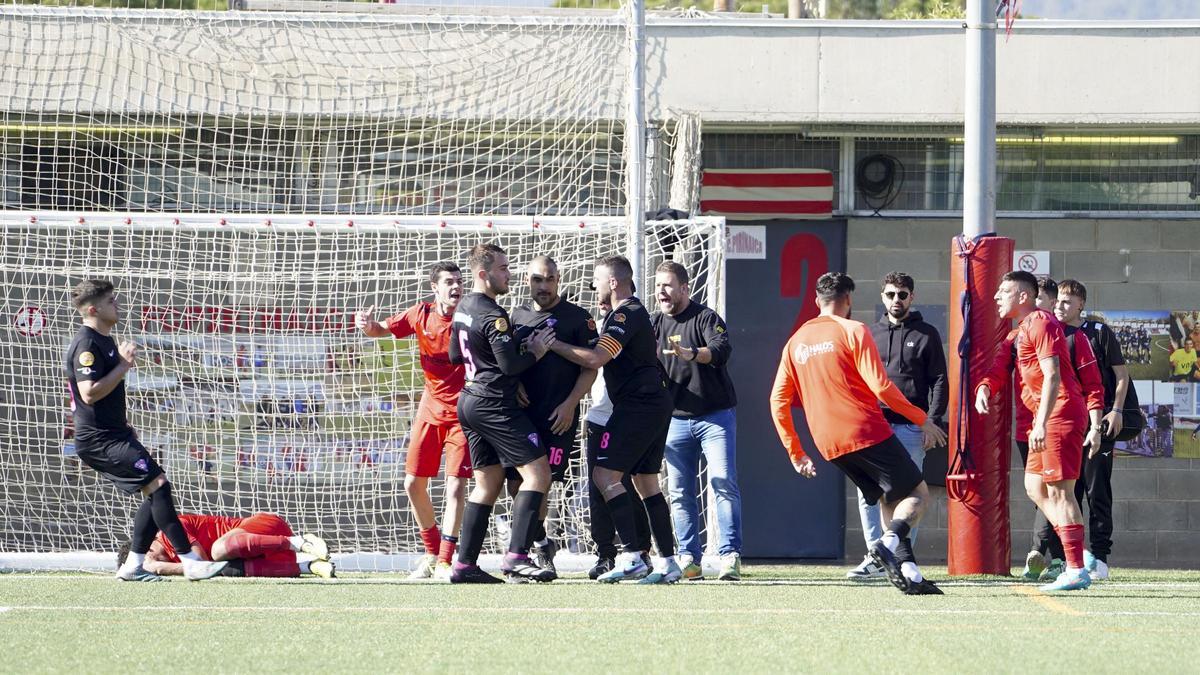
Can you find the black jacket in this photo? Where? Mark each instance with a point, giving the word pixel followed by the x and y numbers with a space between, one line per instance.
pixel 912 355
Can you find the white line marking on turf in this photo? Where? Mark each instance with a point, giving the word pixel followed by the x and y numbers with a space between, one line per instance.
pixel 562 610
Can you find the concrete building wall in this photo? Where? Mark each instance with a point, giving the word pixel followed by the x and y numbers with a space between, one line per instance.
pixel 1157 500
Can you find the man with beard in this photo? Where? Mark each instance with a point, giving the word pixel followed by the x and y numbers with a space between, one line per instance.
pixel 435 428
pixel 499 434
pixel 694 349
pixel 912 355
pixel 636 433
pixel 554 386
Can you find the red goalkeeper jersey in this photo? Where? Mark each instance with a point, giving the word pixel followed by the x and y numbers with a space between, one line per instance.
pixel 443 380
pixel 202 531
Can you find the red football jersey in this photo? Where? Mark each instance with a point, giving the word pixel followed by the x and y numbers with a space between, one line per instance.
pixel 443 380
pixel 1041 336
pixel 202 530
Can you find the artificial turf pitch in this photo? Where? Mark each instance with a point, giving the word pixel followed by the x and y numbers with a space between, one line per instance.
pixel 793 619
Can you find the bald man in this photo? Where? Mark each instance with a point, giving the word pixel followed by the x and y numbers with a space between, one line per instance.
pixel 554 386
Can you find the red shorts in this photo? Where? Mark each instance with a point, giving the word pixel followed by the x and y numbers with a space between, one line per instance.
pixel 1063 454
pixel 428 441
pixel 266 523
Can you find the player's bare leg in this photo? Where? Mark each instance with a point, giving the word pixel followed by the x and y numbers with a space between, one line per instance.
pixel 452 514
pixel 417 489
pixel 893 551
pixel 1057 501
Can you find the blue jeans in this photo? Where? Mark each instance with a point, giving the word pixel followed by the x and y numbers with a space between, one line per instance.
pixel 714 436
pixel 912 439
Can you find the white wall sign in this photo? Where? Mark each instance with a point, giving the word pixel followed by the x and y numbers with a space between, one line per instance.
pixel 1034 262
pixel 746 242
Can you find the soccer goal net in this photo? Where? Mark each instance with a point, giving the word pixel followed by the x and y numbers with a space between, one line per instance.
pixel 253 386
pixel 249 179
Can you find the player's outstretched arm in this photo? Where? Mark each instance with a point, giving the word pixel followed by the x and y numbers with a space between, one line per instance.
pixel 364 320
pixel 592 358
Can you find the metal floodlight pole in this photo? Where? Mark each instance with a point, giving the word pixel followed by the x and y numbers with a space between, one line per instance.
pixel 635 138
pixel 979 125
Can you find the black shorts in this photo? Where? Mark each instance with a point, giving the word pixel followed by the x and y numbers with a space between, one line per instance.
pixel 883 469
pixel 498 432
pixel 121 459
pixel 635 437
pixel 560 450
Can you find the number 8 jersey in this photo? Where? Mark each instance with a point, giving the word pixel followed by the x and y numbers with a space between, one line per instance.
pixel 483 341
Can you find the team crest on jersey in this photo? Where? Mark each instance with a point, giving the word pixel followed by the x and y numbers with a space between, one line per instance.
pixel 619 317
pixel 501 325
pixel 141 465
pixel 675 339
pixel 591 324
pixel 533 438
pixel 720 328
pixel 87 359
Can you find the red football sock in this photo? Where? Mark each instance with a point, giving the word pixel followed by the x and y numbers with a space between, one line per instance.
pixel 271 567
pixel 431 537
pixel 446 554
pixel 1072 542
pixel 247 545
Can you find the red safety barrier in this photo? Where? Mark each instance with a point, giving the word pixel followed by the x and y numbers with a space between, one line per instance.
pixel 980 446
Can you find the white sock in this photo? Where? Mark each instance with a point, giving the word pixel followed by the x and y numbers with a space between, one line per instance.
pixel 134 559
pixel 297 542
pixel 627 558
pixel 911 572
pixel 890 540
pixel 1074 570
pixel 668 561
pixel 544 542
pixel 190 555
pixel 304 567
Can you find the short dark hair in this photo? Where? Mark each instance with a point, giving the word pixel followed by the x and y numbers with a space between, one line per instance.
pixel 899 280
pixel 1073 287
pixel 443 266
pixel 88 292
pixel 672 267
pixel 123 552
pixel 1024 278
pixel 619 266
pixel 483 256
pixel 834 286
pixel 1045 283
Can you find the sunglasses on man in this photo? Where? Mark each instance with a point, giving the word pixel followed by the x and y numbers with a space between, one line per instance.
pixel 892 294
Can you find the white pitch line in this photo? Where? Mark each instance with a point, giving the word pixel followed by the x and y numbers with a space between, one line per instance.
pixel 565 610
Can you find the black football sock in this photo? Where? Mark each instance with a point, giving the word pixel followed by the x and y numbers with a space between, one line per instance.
pixel 601 524
pixel 539 531
pixel 900 527
pixel 144 529
pixel 660 524
pixel 904 552
pixel 526 505
pixel 162 507
pixel 621 509
pixel 474 528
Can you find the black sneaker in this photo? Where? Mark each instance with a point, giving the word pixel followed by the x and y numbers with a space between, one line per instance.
pixel 472 575
pixel 522 570
pixel 883 556
pixel 543 556
pixel 923 587
pixel 602 565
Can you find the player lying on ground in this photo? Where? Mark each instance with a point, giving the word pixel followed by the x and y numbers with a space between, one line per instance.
pixel 96 369
pixel 262 545
pixel 831 368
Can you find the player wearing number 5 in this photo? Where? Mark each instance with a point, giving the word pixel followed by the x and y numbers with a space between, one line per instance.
pixel 498 431
pixel 554 386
